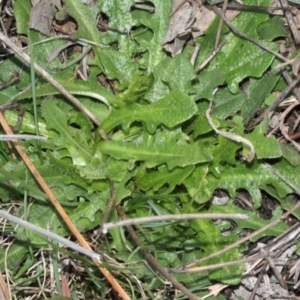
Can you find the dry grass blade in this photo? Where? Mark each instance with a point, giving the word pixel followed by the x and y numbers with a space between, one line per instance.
pixel 4 290
pixel 184 217
pixel 59 208
pixel 49 234
pixel 8 137
pixel 225 3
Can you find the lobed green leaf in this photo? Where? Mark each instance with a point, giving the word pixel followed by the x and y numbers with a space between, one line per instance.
pixel 174 155
pixel 171 110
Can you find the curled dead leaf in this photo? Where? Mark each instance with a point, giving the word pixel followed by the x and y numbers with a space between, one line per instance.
pixel 42 14
pixel 189 19
pixel 66 28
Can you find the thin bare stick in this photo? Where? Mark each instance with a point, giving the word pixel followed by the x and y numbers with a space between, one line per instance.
pixel 185 269
pixel 277 274
pixel 289 80
pixel 293 187
pixel 111 204
pixel 210 57
pixel 290 19
pixel 283 128
pixel 176 9
pixel 232 136
pixel 154 262
pixel 195 54
pixel 178 217
pixel 245 36
pixel 51 80
pixel 292 85
pixel 225 3
pixel 50 235
pixel 269 10
pixel 258 281
pixel 284 94
pixel 12 99
pixel 8 137
pixel 285 240
pixel 116 286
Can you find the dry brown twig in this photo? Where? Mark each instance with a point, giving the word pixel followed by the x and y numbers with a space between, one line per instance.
pixel 225 3
pixel 283 128
pixel 210 57
pixel 284 94
pixel 258 281
pixel 246 36
pixel 271 10
pixel 292 85
pixel 275 253
pixel 195 54
pixel 111 203
pixel 290 19
pixel 135 221
pixel 289 80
